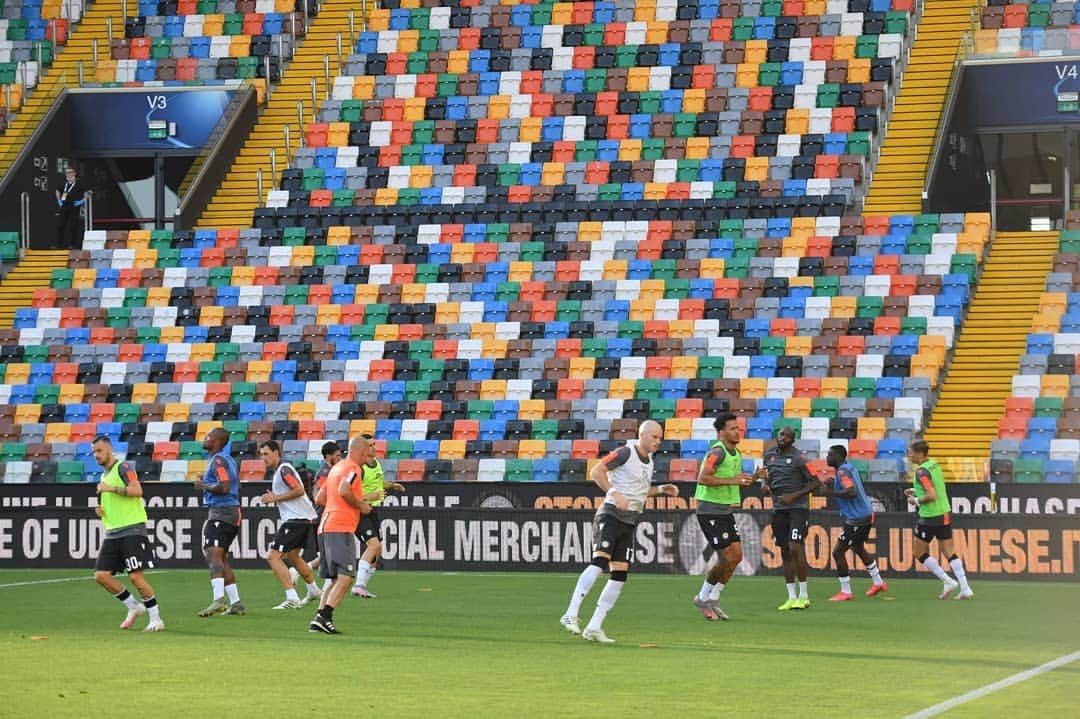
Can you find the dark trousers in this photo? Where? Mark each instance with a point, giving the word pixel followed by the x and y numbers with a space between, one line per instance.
pixel 68 228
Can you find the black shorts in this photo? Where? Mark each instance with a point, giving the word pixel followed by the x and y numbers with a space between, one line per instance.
pixel 219 534
pixel 789 525
pixel 928 532
pixel 369 526
pixel 125 554
pixel 720 530
pixel 311 546
pixel 291 535
pixel 613 538
pixel 855 533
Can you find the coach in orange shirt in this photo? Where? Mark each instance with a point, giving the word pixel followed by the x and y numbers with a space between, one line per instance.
pixel 345 503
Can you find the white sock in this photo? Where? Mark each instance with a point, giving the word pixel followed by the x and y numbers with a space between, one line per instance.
pixel 364 570
pixel 291 594
pixel 233 592
pixel 312 588
pixel 875 574
pixel 295 575
pixel 803 591
pixel 218 585
pixel 706 591
pixel 933 566
pixel 327 584
pixel 791 590
pixel 957 565
pixel 719 587
pixel 607 600
pixel 845 584
pixel 129 601
pixel 152 609
pixel 584 584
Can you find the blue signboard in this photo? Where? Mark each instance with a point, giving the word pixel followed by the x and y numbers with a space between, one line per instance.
pixel 1020 93
pixel 156 121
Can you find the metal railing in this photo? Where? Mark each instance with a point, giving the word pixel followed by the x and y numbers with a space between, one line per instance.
pixel 24 220
pixel 88 209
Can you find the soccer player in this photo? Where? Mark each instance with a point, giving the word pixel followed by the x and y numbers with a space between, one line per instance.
pixel 297 514
pixel 625 476
pixel 858 521
pixel 220 486
pixel 718 496
pixel 929 497
pixel 368 530
pixel 342 494
pixel 331 454
pixel 790 483
pixel 126 547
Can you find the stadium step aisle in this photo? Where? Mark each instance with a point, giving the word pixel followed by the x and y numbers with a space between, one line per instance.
pixel 33 272
pixel 899 178
pixel 972 399
pixel 238 196
pixel 64 72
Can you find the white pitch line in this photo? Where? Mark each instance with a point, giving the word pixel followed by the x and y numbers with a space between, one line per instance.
pixel 44 581
pixel 32 582
pixel 996 686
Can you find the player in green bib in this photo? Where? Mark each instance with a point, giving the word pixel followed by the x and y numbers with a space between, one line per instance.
pixel 126 547
pixel 374 481
pixel 931 501
pixel 718 496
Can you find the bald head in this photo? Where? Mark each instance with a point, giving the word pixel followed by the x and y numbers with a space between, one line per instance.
pixel 649 435
pixel 358 447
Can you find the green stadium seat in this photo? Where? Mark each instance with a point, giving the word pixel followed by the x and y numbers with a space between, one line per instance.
pixel 69 472
pixel 545 429
pixel 479 409
pixel 1027 471
pixel 1049 406
pixel 661 408
pixel 518 470
pixel 828 407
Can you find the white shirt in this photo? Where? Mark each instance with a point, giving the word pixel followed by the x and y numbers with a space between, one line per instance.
pixel 286 479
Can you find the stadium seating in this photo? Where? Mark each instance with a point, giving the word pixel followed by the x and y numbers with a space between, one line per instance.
pixel 30 31
pixel 203 42
pixel 516 232
pixel 1039 431
pixel 1020 29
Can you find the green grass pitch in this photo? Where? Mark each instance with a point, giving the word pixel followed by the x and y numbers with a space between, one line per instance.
pixel 489 645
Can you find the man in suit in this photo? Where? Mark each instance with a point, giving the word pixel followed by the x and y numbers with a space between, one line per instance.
pixel 70 196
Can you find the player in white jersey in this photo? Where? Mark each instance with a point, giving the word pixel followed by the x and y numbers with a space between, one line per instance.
pixel 625 476
pixel 297 517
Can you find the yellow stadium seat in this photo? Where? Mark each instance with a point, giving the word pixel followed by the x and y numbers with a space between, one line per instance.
pixel 621 388
pixel 834 387
pixel 753 388
pixel 532 449
pixel 258 371
pixel 582 368
pixel 385 333
pixel 176 412
pixel 301 410
pixel 871 428
pixel 797 407
pixel 493 389
pixel 452 449
pixel 491 347
pixel 677 428
pixel 531 409
pixel 361 426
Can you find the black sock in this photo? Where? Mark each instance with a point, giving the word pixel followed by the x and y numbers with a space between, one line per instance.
pixel 150 602
pixel 327 612
pixel 123 595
